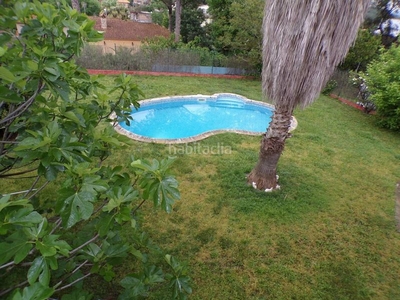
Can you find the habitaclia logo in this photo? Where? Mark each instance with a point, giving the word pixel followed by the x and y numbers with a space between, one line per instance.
pixel 198 148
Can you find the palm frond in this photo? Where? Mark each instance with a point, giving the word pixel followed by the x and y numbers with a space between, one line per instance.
pixel 303 42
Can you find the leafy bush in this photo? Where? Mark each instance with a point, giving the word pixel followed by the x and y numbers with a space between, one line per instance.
pixel 382 79
pixel 365 49
pixel 92 7
pixel 73 214
pixel 161 51
pixel 330 86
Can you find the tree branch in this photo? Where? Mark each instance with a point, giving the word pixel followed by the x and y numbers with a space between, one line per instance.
pixel 21 109
pixel 69 275
pixel 137 208
pixel 18 173
pixel 38 190
pixel 72 283
pixel 84 244
pixel 11 263
pixel 2 293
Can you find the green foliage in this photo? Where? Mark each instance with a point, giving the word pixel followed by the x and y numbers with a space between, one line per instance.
pixel 159 50
pixel 89 7
pixel 55 133
pixel 220 25
pixel 109 3
pixel 236 29
pixel 246 37
pixel 330 86
pixel 160 18
pixel 382 79
pixel 92 7
pixel 191 27
pixel 320 237
pixel 365 49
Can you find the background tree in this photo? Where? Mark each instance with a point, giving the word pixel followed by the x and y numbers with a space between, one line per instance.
pixel 191 26
pixel 169 4
pixel 178 12
pixel 235 29
pixel 365 49
pixel 245 37
pixel 92 7
pixel 303 42
pixel 74 214
pixel 220 25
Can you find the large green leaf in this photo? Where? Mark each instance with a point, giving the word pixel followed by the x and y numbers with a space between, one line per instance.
pixel 5 202
pixel 37 291
pixel 93 184
pixel 117 250
pixel 133 286
pixel 168 190
pixel 17 245
pixel 178 280
pixel 9 96
pixel 25 217
pixel 6 75
pixel 39 270
pixel 153 275
pixel 77 207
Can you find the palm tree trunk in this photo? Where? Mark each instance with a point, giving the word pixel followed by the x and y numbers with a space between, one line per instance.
pixel 303 42
pixel 263 176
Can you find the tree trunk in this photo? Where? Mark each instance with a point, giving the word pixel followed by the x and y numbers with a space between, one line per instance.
pixel 178 11
pixel 263 176
pixel 170 27
pixel 75 5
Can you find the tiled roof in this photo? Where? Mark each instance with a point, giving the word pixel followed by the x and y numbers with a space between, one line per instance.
pixel 128 30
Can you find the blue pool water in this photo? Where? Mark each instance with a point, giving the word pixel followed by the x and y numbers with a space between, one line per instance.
pixel 189 116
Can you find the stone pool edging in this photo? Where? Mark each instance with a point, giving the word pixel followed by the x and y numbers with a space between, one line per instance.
pixel 201 136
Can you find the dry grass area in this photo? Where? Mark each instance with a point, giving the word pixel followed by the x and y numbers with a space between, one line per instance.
pixel 330 232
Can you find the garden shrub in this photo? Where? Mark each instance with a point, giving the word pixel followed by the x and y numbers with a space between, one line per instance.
pixel 365 49
pixel 382 79
pixel 159 51
pixel 70 217
pixel 330 86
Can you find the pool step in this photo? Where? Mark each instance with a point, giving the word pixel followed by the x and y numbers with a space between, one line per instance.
pixel 230 103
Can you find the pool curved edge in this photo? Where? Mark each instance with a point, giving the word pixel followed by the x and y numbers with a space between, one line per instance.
pixel 198 137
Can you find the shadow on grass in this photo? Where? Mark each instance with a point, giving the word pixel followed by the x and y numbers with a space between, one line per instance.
pixel 343 280
pixel 301 192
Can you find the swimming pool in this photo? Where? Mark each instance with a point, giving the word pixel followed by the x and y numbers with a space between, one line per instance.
pixel 188 118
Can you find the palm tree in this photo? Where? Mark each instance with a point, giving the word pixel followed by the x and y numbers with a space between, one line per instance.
pixel 303 42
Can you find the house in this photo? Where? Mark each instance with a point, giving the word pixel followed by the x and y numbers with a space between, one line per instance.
pixel 124 3
pixel 141 2
pixel 141 16
pixel 126 33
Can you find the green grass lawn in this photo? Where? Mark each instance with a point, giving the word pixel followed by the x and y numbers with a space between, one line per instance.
pixel 329 233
